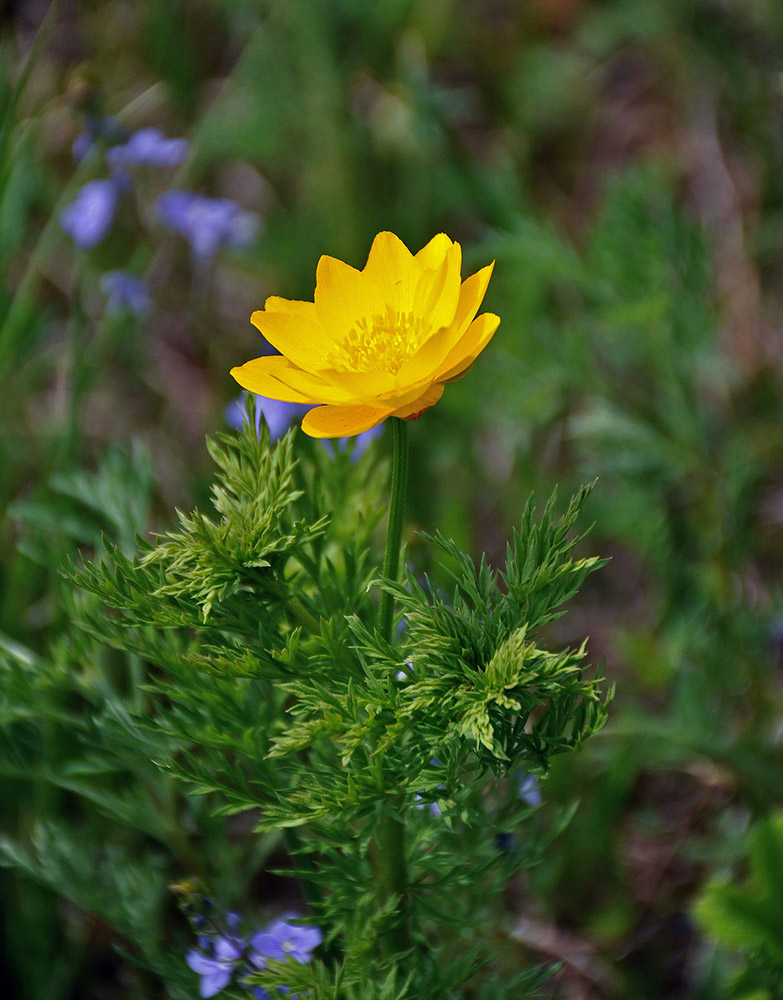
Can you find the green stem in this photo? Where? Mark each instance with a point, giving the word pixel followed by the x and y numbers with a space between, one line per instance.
pixel 389 856
pixel 399 484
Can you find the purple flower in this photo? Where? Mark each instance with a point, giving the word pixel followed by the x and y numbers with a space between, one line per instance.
pixel 109 128
pixel 217 969
pixel 82 145
pixel 125 293
pixel 282 939
pixel 361 442
pixel 529 792
pixel 207 223
pixel 148 147
pixel 88 219
pixel 432 807
pixel 280 416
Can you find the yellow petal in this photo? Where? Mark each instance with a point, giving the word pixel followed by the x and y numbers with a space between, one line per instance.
pixel 341 421
pixel 294 306
pixel 424 402
pixel 361 386
pixel 433 254
pixel 258 376
pixel 472 294
pixel 465 352
pixel 392 274
pixel 341 297
pixel 298 337
pixel 279 375
pixel 438 290
pixel 433 353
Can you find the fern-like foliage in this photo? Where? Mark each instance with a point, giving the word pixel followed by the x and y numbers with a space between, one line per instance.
pixel 262 682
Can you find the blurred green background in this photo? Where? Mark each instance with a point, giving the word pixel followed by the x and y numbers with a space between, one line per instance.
pixel 622 161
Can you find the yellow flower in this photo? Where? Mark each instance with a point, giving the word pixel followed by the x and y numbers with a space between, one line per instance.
pixel 375 343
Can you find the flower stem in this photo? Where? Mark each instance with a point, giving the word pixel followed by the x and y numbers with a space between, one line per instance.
pixel 389 855
pixel 399 484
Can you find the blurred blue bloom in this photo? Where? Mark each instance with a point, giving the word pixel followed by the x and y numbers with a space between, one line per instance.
pixel 361 441
pixel 108 127
pixel 88 219
pixel 207 223
pixel 433 807
pixel 82 145
pixel 125 293
pixel 529 791
pixel 148 147
pixel 280 416
pixel 282 939
pixel 215 969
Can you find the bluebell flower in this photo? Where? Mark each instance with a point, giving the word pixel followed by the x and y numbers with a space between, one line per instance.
pixel 215 969
pixel 207 223
pixel 527 786
pixel 88 219
pixel 82 145
pixel 432 807
pixel 361 441
pixel 125 293
pixel 148 147
pixel 280 416
pixel 107 127
pixel 282 939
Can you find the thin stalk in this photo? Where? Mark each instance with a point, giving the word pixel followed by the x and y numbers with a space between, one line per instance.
pixel 399 488
pixel 389 855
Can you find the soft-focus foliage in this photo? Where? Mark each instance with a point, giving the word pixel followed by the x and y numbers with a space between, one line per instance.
pixel 620 160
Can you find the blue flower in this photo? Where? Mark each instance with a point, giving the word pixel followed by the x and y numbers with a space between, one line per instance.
pixel 125 293
pixel 148 147
pixel 282 939
pixel 432 807
pixel 82 145
pixel 361 441
pixel 280 416
pixel 527 786
pixel 216 969
pixel 88 219
pixel 207 223
pixel 108 127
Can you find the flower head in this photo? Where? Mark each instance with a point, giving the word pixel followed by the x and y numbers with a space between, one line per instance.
pixel 148 147
pixel 280 416
pixel 125 293
pixel 374 343
pixel 88 219
pixel 282 939
pixel 207 223
pixel 529 792
pixel 217 968
pixel 108 127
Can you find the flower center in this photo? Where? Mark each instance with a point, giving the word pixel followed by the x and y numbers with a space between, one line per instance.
pixel 381 343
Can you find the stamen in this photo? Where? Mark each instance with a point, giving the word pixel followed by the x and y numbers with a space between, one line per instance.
pixel 381 343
